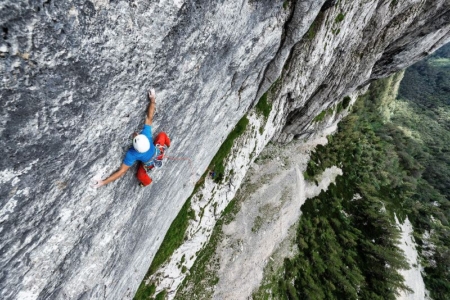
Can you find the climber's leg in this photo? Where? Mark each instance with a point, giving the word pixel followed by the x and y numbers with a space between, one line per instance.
pixel 162 139
pixel 142 175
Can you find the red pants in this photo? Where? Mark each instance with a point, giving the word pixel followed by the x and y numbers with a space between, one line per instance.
pixel 161 139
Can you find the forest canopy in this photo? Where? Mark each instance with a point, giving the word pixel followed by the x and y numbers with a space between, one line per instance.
pixel 395 157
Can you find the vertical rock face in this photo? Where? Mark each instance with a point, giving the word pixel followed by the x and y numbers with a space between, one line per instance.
pixel 73 81
pixel 351 44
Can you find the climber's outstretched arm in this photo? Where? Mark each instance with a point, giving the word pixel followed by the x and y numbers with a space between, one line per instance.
pixel 151 107
pixel 123 169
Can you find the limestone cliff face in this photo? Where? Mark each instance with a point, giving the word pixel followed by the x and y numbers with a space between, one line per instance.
pixel 74 75
pixel 348 46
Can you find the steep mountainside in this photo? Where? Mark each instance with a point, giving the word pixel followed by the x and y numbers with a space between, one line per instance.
pixel 394 153
pixel 422 116
pixel 74 78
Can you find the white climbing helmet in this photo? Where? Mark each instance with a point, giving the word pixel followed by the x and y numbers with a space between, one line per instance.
pixel 141 143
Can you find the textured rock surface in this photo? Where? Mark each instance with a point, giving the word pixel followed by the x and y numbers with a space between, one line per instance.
pixel 73 82
pixel 358 41
pixel 72 105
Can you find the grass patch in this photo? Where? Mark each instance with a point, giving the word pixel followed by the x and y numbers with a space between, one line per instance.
pixel 339 107
pixel 263 107
pixel 312 31
pixel 174 237
pixel 340 17
pixel 144 291
pixel 257 224
pixel 202 276
pixel 217 163
pixel 336 31
pixel 229 211
pixel 320 117
pixel 286 4
pixel 161 296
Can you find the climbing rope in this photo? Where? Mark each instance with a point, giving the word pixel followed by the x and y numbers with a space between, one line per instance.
pixel 191 165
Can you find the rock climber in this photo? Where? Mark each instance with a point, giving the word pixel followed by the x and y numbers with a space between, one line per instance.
pixel 150 154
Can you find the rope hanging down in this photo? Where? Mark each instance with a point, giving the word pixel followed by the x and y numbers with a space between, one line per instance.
pixel 192 179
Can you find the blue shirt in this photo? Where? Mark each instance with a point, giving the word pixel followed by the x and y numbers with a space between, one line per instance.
pixel 132 155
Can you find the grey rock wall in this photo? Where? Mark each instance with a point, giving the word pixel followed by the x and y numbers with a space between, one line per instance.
pixel 74 82
pixel 74 75
pixel 352 44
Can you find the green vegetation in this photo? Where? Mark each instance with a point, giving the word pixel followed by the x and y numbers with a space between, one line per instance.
pixel 339 108
pixel 395 156
pixel 217 163
pixel 339 18
pixel 336 31
pixel 422 140
pixel 144 291
pixel 393 3
pixel 347 236
pixel 343 104
pixel 202 276
pixel 229 211
pixel 261 130
pixel 257 224
pixel 161 295
pixel 315 26
pixel 286 4
pixel 173 239
pixel 320 117
pixel 263 107
pixel 346 102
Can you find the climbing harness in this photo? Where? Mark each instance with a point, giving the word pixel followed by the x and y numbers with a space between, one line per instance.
pixel 156 161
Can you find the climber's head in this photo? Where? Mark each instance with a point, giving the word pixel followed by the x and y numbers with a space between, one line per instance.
pixel 141 143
